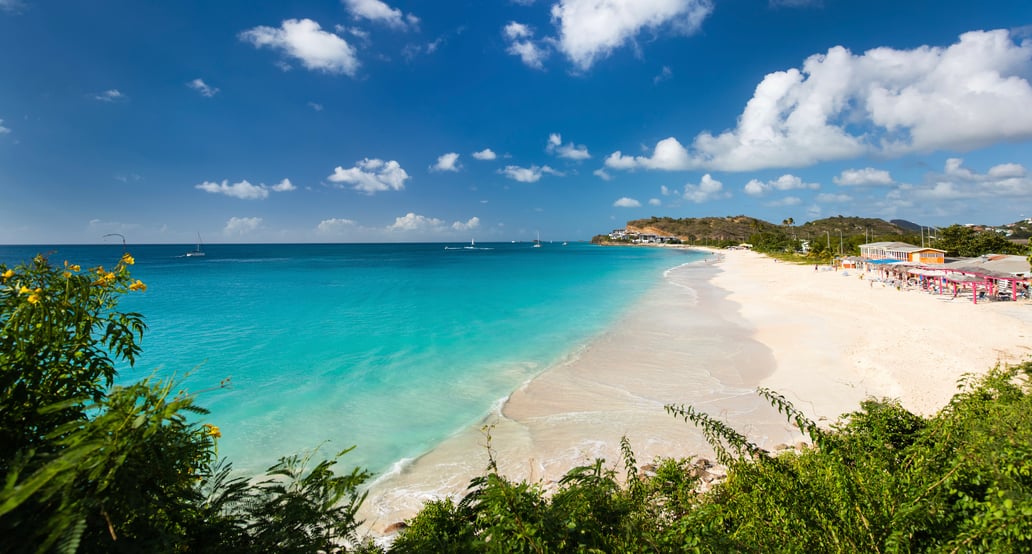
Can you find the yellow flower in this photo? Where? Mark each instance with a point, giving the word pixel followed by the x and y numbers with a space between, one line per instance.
pixel 24 290
pixel 127 259
pixel 33 298
pixel 7 274
pixel 75 267
pixel 67 274
pixel 138 285
pixel 213 430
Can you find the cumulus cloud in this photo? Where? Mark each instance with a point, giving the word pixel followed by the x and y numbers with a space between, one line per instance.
pixel 110 95
pixel 370 176
pixel 590 30
pixel 626 202
pixel 655 202
pixel 867 176
pixel 1008 180
pixel 415 222
pixel 530 174
pixel 889 102
pixel 755 187
pixel 2 128
pixel 669 155
pixel 520 38
pixel 485 154
pixel 446 162
pixel 283 186
pixel 304 40
pixel 379 12
pixel 334 226
pixel 203 88
pixel 244 190
pixel 569 151
pixel 707 189
pixel 602 174
pixel 468 225
pixel 242 225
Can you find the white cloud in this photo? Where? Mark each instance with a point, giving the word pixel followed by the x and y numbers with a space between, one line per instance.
pixel 669 155
pixel 485 154
pixel 316 107
pixel 472 223
pixel 867 176
pixel 200 86
pixel 655 202
pixel 335 226
pixel 590 30
pixel 414 222
pixel 1004 171
pixel 530 174
pixel 2 128
pixel 378 11
pixel 569 151
pixel 521 43
pixel 883 102
pixel 602 174
pixel 626 202
pixel 957 182
pixel 110 95
pixel 284 186
pixel 707 189
pixel 371 176
pixel 305 40
pixel 446 162
pixel 755 187
pixel 242 225
pixel 244 190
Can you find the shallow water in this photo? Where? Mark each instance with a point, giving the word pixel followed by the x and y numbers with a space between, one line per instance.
pixel 390 347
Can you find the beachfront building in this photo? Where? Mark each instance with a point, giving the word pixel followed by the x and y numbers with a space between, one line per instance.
pixel 902 252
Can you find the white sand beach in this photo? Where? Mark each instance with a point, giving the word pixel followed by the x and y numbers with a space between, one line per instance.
pixel 708 336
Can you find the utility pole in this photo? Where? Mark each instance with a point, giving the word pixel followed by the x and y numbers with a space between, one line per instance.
pixel 839 242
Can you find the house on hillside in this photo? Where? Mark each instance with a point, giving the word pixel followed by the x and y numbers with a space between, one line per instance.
pixel 903 252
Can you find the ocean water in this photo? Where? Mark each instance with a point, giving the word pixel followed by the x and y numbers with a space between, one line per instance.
pixel 389 347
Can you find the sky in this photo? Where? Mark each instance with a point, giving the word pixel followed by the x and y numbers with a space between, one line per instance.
pixel 497 120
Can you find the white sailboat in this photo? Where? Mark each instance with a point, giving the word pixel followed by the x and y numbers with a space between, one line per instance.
pixel 197 252
pixel 537 241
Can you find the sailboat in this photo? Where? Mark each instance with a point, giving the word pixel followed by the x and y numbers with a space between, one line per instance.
pixel 472 245
pixel 197 252
pixel 537 241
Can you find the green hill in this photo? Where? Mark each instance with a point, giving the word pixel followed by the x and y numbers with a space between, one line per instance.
pixel 734 229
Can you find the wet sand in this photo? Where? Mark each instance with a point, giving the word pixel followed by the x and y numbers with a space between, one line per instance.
pixel 708 335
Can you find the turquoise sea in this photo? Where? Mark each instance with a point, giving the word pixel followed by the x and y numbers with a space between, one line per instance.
pixel 390 347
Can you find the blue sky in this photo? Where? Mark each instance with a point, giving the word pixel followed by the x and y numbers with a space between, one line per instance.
pixel 392 120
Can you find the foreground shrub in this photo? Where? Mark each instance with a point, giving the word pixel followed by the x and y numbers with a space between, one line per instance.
pixel 93 467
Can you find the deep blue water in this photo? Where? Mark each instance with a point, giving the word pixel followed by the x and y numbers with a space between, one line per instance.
pixel 391 347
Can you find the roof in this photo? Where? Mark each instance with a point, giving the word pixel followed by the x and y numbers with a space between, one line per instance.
pixel 994 265
pixel 900 247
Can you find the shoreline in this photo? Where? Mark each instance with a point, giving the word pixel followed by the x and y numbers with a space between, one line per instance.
pixel 708 335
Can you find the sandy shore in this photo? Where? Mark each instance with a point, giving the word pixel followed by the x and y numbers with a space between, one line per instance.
pixel 708 336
